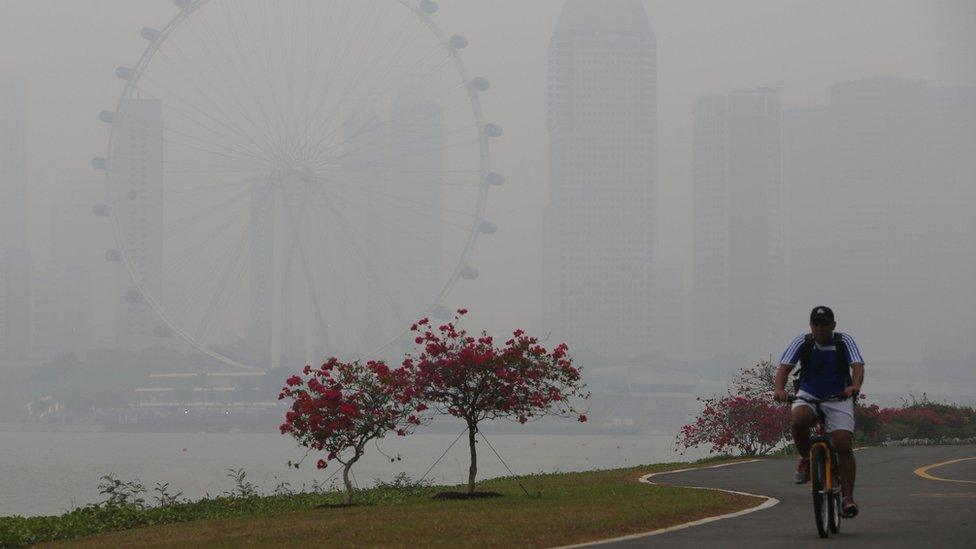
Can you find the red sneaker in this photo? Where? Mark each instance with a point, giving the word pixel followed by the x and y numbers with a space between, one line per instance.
pixel 848 509
pixel 802 471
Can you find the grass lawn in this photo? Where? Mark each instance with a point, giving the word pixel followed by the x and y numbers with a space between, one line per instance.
pixel 572 508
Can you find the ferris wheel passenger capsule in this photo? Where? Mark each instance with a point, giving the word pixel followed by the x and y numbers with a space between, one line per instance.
pixel 149 33
pixel 480 84
pixel 441 313
pixel 106 116
pixel 113 255
pixel 123 72
pixel 493 130
pixel 99 163
pixel 458 42
pixel 182 4
pixel 100 210
pixel 487 227
pixel 494 179
pixel 469 273
pixel 428 6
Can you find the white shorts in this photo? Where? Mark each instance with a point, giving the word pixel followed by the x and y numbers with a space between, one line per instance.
pixel 840 415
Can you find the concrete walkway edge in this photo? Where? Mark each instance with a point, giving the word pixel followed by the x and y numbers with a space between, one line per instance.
pixel 770 501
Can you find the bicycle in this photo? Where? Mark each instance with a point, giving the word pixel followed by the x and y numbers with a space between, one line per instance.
pixel 824 476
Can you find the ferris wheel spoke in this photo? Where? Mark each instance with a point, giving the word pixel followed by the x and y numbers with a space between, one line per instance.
pixel 399 199
pixel 208 213
pixel 215 111
pixel 342 303
pixel 313 59
pixel 232 266
pixel 372 274
pixel 222 136
pixel 265 66
pixel 199 189
pixel 231 127
pixel 376 218
pixel 243 72
pixel 325 140
pixel 222 155
pixel 334 65
pixel 245 78
pixel 237 153
pixel 309 279
pixel 388 130
pixel 201 287
pixel 197 248
pixel 320 135
pixel 225 92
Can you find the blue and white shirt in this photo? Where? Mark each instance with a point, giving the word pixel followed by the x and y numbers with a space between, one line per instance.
pixel 821 377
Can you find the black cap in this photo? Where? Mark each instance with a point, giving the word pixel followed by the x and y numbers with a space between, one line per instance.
pixel 821 312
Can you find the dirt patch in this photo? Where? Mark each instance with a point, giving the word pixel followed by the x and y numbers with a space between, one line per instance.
pixel 465 495
pixel 342 505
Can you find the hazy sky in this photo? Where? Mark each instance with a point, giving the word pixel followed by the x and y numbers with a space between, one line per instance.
pixel 69 49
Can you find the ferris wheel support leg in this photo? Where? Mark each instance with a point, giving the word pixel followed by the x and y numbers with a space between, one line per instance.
pixel 278 282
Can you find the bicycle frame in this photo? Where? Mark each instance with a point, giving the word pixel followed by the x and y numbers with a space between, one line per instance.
pixel 824 478
pixel 822 439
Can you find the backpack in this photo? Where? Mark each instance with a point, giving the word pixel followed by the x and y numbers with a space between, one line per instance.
pixel 807 348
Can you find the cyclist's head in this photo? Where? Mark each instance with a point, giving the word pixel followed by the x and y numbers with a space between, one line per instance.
pixel 822 323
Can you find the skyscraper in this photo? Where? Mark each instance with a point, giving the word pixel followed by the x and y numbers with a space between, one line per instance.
pixel 18 329
pixel 737 232
pixel 15 259
pixel 136 186
pixel 599 224
pixel 890 164
pixel 78 243
pixel 13 162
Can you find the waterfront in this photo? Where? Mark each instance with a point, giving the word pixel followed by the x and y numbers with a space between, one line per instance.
pixel 49 473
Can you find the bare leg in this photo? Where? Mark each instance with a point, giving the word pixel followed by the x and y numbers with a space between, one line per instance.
pixel 801 419
pixel 848 468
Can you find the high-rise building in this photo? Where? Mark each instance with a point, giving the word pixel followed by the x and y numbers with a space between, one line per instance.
pixel 45 316
pixel 737 230
pixel 669 306
pixel 599 224
pixel 17 336
pixel 13 162
pixel 136 187
pixel 881 185
pixel 79 239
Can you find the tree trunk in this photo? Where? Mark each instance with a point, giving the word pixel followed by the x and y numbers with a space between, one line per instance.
pixel 473 470
pixel 345 478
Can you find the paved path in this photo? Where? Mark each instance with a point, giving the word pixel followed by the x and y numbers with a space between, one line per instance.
pixel 898 507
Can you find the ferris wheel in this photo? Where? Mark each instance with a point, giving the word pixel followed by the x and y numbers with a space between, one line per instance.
pixel 295 179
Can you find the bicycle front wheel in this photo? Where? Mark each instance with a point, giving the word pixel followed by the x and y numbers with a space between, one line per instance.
pixel 818 484
pixel 833 502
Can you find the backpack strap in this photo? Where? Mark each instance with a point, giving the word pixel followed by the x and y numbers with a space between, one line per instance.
pixel 842 356
pixel 804 356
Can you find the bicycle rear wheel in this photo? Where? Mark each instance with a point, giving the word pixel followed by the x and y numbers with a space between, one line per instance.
pixel 818 475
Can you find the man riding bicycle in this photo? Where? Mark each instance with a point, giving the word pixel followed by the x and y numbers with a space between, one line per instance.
pixel 830 364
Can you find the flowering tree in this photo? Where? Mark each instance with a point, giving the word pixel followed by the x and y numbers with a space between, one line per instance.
pixel 750 425
pixel 473 379
pixel 340 407
pixel 746 420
